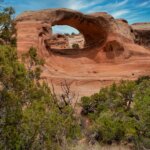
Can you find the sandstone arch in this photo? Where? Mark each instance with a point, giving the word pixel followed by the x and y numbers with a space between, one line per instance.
pixel 33 28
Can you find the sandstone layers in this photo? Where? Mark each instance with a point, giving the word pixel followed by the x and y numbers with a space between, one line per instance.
pixel 111 52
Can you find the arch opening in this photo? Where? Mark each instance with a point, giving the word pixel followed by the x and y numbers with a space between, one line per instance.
pixel 66 37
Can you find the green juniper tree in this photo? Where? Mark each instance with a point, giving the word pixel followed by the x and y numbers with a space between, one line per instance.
pixel 7 29
pixel 29 114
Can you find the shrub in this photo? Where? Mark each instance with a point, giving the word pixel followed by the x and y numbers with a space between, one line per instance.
pixel 110 129
pixel 30 117
pixel 140 79
pixel 120 112
pixel 75 46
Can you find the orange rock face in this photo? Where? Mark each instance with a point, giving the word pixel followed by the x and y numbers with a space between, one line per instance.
pixel 110 53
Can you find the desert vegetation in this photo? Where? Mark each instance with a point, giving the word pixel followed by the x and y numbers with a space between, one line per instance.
pixel 75 46
pixel 120 113
pixel 7 30
pixel 30 116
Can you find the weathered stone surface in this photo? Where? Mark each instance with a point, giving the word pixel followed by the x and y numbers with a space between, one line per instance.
pixel 110 53
pixel 142 33
pixel 113 49
pixel 96 28
pixel 30 23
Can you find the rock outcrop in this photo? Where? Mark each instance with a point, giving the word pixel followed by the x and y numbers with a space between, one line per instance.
pixel 33 28
pixel 110 54
pixel 142 34
pixel 58 41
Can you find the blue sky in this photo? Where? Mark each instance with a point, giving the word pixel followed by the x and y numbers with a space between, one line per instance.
pixel 131 10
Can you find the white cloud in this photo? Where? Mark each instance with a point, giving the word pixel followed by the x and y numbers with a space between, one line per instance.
pixel 83 4
pixel 119 4
pixel 109 7
pixel 120 13
pixel 144 4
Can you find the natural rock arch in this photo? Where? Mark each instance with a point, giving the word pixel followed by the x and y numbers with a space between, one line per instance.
pixel 94 30
pixel 33 28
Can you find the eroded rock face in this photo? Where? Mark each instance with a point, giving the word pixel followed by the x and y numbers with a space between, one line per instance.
pixel 110 53
pixel 33 28
pixel 142 33
pixel 113 49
